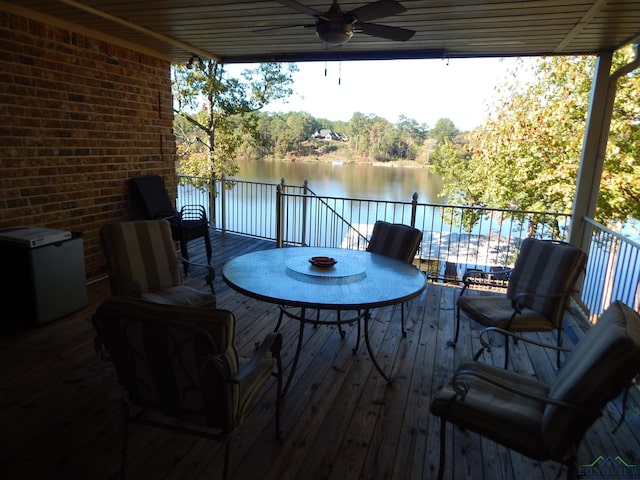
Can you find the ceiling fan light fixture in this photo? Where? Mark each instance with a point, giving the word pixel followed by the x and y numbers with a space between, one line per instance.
pixel 335 27
pixel 334 33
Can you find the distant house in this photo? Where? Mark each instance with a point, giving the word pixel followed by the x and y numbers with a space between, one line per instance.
pixel 326 134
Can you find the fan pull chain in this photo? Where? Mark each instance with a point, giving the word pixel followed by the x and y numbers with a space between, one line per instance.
pixel 325 59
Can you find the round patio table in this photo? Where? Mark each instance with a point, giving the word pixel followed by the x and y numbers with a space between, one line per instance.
pixel 358 281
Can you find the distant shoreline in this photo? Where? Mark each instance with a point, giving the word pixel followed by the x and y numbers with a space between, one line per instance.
pixel 340 161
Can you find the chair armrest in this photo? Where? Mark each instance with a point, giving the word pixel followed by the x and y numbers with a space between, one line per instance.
pixel 174 219
pixel 487 343
pixel 473 273
pixel 209 276
pixel 167 215
pixel 468 278
pixel 462 388
pixel 271 344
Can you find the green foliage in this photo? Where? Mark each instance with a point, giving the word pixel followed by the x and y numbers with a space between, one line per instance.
pixel 527 154
pixel 214 119
pixel 218 119
pixel 300 127
pixel 254 134
pixel 443 130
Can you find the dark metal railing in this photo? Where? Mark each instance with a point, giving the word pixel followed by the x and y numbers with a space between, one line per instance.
pixel 463 237
pixel 455 238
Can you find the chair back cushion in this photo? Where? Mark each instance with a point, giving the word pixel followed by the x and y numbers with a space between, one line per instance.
pixel 603 362
pixel 142 251
pixel 175 360
pixel 152 196
pixel 395 240
pixel 546 267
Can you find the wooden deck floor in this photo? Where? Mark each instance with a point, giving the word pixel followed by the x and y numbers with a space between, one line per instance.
pixel 58 419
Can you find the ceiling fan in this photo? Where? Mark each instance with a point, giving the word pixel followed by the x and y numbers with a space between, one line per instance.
pixel 336 27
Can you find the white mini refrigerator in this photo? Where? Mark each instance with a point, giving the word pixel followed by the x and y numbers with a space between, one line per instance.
pixel 43 275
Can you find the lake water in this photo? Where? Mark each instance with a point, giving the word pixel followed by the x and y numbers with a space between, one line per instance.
pixel 350 180
pixel 392 184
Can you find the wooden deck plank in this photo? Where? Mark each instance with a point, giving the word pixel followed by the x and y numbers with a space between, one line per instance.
pixel 397 422
pixel 340 420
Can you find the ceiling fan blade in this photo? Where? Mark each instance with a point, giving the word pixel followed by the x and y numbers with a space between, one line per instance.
pixel 299 7
pixel 281 27
pixel 385 31
pixel 375 10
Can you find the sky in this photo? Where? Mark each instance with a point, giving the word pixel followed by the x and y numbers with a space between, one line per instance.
pixel 423 90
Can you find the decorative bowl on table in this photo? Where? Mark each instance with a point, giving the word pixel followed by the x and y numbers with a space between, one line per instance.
pixel 323 262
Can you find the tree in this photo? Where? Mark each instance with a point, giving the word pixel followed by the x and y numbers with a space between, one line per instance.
pixel 444 129
pixel 381 139
pixel 527 154
pixel 300 127
pixel 411 136
pixel 219 109
pixel 358 132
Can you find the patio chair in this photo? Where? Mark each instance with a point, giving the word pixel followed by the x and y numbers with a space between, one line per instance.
pixel 545 421
pixel 142 262
pixel 451 273
pixel 188 224
pixel 537 293
pixel 178 369
pixel 393 240
pixel 398 241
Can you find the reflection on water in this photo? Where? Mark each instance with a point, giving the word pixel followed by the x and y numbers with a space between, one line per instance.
pixel 349 180
pixel 492 242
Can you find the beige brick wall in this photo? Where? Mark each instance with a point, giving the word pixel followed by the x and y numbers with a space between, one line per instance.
pixel 78 118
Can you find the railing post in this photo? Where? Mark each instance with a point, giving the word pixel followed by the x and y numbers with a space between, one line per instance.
pixel 279 213
pixel 414 208
pixel 223 203
pixel 304 213
pixel 212 201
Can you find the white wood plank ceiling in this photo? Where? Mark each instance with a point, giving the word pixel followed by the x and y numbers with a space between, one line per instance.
pixel 242 31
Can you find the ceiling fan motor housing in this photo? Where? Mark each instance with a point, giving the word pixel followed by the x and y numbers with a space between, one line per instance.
pixel 336 27
pixel 334 32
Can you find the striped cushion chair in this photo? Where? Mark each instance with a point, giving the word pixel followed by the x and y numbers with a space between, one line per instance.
pixel 178 368
pixel 397 241
pixel 545 421
pixel 538 290
pixel 142 262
